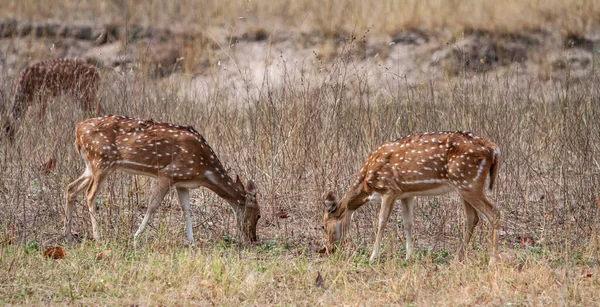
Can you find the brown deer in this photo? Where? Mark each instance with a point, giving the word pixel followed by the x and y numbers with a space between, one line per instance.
pixel 429 164
pixel 178 156
pixel 53 78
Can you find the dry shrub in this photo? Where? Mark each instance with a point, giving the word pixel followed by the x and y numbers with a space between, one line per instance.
pixel 309 134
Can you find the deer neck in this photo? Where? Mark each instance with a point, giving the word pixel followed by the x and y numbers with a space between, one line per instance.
pixel 227 189
pixel 352 200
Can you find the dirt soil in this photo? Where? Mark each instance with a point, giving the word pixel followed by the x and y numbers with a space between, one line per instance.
pixel 196 59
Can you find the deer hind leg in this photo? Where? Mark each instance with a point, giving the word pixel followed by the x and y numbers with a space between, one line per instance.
pixel 42 111
pixel 408 205
pixel 387 203
pixel 157 193
pixel 42 101
pixel 480 202
pixel 184 201
pixel 471 222
pixel 73 190
pixel 96 181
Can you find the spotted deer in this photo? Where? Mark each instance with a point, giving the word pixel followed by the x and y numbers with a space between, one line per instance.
pixel 429 164
pixel 177 156
pixel 52 78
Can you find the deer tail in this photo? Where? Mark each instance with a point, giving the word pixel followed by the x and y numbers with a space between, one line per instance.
pixel 494 167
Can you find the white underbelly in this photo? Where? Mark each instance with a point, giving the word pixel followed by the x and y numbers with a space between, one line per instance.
pixel 135 172
pixel 188 184
pixel 441 190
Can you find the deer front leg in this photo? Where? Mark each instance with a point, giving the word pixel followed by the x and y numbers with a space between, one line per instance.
pixel 42 103
pixel 387 203
pixel 92 191
pixel 157 193
pixel 184 201
pixel 408 205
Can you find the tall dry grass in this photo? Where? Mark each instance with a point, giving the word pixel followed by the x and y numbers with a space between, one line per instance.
pixel 311 134
pixel 329 16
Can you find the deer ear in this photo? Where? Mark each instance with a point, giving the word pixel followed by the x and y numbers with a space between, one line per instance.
pixel 331 202
pixel 251 188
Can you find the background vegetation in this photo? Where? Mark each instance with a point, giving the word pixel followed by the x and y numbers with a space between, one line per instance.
pixel 300 120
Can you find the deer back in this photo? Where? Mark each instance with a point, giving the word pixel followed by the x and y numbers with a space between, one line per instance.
pixel 147 147
pixel 428 161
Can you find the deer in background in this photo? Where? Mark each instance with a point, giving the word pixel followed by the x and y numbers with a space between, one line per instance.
pixel 52 78
pixel 430 164
pixel 177 156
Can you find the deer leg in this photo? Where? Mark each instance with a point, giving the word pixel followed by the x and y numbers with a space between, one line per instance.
pixel 471 222
pixel 72 190
pixel 88 99
pixel 157 193
pixel 42 103
pixel 484 206
pixel 96 182
pixel 184 201
pixel 408 205
pixel 86 103
pixel 387 203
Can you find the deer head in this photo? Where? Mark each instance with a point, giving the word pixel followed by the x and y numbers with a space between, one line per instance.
pixel 333 222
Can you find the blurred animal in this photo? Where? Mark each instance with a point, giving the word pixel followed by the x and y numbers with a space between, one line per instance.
pixel 52 78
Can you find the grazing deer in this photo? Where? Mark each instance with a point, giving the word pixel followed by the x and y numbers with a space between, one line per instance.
pixel 176 155
pixel 421 165
pixel 53 78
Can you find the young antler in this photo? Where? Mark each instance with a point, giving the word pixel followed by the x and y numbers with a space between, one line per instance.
pixel 422 165
pixel 176 155
pixel 53 78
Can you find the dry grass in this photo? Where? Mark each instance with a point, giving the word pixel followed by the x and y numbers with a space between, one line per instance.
pixel 385 16
pixel 300 132
pixel 298 142
pixel 274 276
